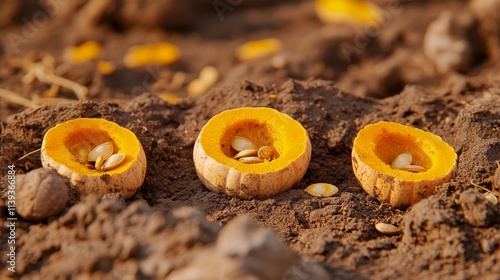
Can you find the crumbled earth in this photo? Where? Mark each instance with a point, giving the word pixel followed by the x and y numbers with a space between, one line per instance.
pixel 175 228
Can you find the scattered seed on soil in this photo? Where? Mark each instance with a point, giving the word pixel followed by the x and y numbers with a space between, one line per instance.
pixel 322 190
pixel 386 228
pixel 491 198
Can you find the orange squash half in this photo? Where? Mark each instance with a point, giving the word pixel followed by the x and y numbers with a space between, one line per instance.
pixel 61 146
pixel 377 145
pixel 220 172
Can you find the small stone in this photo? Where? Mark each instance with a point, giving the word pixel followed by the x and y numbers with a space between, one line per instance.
pixel 257 247
pixel 446 45
pixel 40 193
pixel 496 178
pixel 478 211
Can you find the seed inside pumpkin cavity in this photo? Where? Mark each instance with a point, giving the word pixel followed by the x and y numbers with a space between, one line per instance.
pixel 105 150
pixel 403 162
pixel 83 154
pixel 251 160
pixel 413 168
pixel 246 153
pixel 265 152
pixel 240 143
pixel 113 161
pixel 98 162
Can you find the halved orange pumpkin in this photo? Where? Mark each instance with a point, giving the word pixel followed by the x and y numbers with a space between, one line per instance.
pixel 220 172
pixel 63 144
pixel 377 145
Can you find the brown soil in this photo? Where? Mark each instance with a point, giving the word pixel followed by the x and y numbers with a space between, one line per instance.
pixel 175 228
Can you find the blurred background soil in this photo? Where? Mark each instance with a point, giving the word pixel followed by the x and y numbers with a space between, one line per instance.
pixel 431 64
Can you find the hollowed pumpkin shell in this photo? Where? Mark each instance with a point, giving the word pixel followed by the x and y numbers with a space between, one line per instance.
pixel 62 144
pixel 377 145
pixel 220 172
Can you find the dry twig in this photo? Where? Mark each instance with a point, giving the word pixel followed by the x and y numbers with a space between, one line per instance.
pixel 15 98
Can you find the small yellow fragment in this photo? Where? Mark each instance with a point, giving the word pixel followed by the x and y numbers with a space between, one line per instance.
pixel 161 53
pixel 258 49
pixel 84 52
pixel 170 98
pixel 350 12
pixel 106 67
pixel 272 96
pixel 322 190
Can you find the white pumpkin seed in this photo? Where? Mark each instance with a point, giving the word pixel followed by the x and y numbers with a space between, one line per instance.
pixel 251 160
pixel 413 168
pixel 403 159
pixel 246 153
pixel 105 150
pixel 322 190
pixel 386 228
pixel 491 198
pixel 98 162
pixel 113 161
pixel 83 154
pixel 240 143
pixel 265 152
